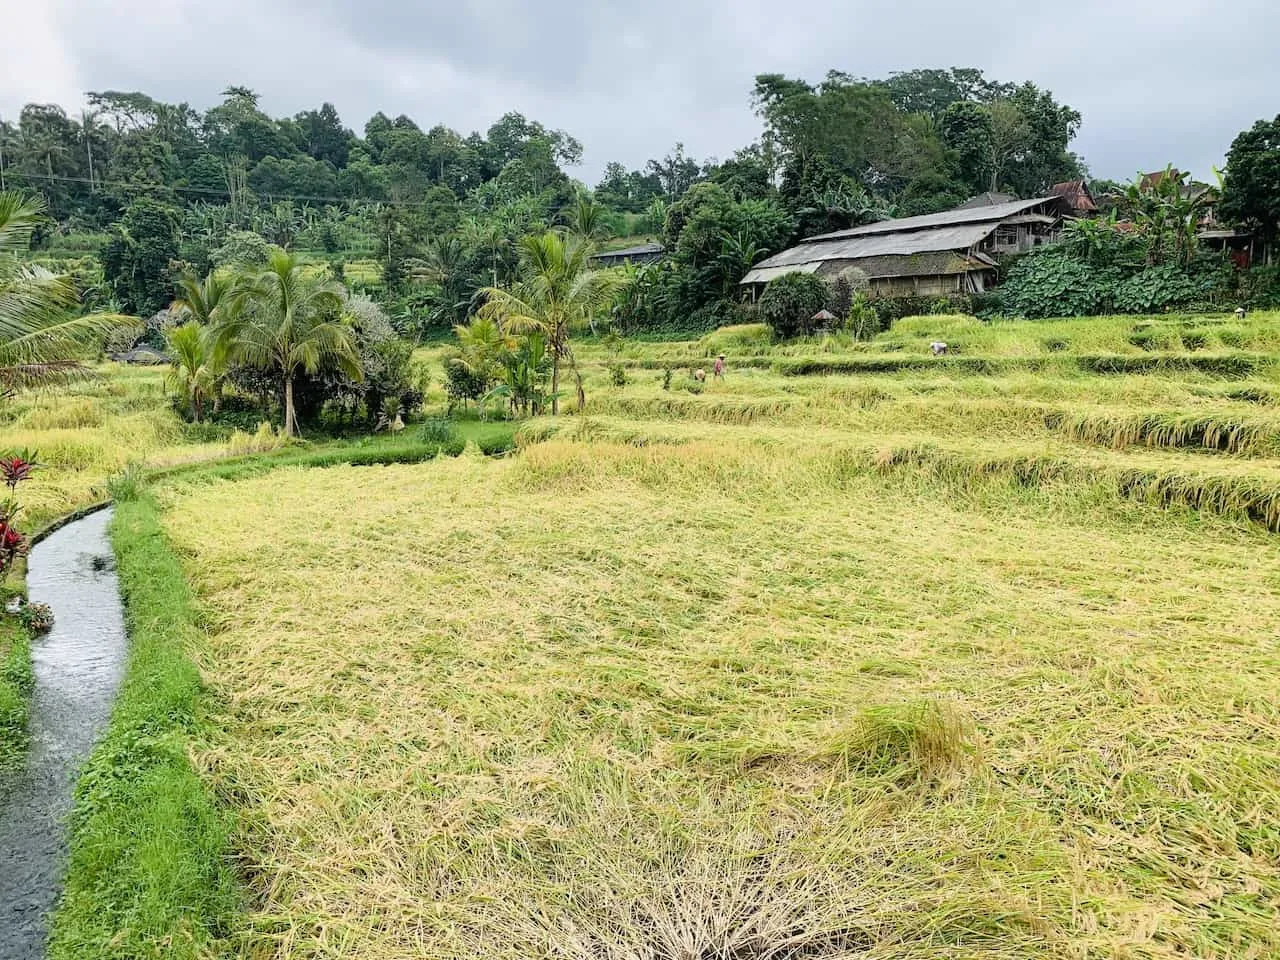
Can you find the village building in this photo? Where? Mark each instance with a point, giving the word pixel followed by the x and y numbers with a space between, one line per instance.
pixel 1078 197
pixel 933 255
pixel 637 255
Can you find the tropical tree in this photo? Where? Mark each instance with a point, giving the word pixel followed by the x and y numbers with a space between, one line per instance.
pixel 584 218
pixel 557 292
pixel 291 324
pixel 40 340
pixel 207 302
pixel 192 367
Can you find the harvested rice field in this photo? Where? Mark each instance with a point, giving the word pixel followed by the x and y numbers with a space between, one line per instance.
pixel 936 661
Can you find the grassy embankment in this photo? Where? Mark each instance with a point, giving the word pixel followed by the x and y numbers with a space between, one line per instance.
pixel 927 662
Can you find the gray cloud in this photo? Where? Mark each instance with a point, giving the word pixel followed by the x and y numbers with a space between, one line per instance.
pixel 1172 82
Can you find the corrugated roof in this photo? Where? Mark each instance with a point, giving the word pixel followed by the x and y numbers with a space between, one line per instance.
pixel 765 274
pixel 933 264
pixel 971 215
pixel 893 244
pixel 988 199
pixel 644 249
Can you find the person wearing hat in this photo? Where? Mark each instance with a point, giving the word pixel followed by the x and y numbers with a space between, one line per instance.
pixel 718 370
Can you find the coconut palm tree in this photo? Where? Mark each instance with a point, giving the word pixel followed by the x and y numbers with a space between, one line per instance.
pixel 290 325
pixel 557 292
pixel 585 218
pixel 40 341
pixel 210 300
pixel 192 365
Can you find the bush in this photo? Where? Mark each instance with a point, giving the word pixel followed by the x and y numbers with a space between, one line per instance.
pixel 862 319
pixel 437 431
pixel 789 303
pixel 461 383
pixel 1156 289
pixel 1053 284
pixel 127 485
pixel 892 309
pixel 1260 288
pixel 618 374
pixel 242 248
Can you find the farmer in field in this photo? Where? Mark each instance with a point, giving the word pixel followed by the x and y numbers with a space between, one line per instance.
pixel 718 370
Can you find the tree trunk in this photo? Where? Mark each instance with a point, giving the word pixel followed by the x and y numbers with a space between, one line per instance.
pixel 555 383
pixel 290 420
pixel 197 406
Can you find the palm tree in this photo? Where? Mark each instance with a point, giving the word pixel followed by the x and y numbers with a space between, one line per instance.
pixel 289 325
pixel 39 340
pixel 207 303
pixel 585 218
pixel 192 365
pixel 557 292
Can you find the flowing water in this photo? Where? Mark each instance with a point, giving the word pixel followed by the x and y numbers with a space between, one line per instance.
pixel 78 667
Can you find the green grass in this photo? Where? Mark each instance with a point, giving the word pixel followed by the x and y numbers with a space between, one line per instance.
pixel 16 682
pixel 148 862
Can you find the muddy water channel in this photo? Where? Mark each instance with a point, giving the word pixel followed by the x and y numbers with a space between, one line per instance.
pixel 78 667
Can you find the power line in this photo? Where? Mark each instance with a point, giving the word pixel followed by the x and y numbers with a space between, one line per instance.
pixel 207 191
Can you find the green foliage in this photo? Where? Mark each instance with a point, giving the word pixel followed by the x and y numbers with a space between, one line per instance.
pixel 462 382
pixel 789 303
pixel 618 374
pixel 862 320
pixel 16 683
pixel 1251 186
pixel 36 618
pixel 128 485
pixel 138 259
pixel 242 250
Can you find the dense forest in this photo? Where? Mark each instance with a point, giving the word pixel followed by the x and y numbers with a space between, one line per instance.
pixel 148 189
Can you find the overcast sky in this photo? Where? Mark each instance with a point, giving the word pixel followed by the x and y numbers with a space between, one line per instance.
pixel 1172 81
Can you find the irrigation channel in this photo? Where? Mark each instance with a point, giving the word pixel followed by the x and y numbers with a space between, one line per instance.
pixel 78 666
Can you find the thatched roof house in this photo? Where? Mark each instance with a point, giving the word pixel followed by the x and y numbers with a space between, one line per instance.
pixel 933 255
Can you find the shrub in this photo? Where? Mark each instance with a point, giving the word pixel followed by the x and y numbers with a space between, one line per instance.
pixel 37 618
pixel 892 309
pixel 127 485
pixel 1052 284
pixel 1260 288
pixel 862 319
pixel 242 248
pixel 461 383
pixel 437 431
pixel 1156 289
pixel 618 374
pixel 789 303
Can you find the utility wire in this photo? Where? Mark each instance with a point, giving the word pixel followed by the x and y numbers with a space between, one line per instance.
pixel 222 194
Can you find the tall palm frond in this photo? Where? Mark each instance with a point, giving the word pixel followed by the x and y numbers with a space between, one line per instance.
pixel 40 340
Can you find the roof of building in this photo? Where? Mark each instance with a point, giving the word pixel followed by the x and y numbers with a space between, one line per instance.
pixel 961 215
pixel 642 250
pixel 886 247
pixel 1076 193
pixel 877 245
pixel 988 199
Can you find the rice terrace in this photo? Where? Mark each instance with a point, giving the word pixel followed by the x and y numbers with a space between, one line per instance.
pixel 747 560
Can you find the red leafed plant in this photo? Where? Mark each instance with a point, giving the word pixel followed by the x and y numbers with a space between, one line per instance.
pixel 14 468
